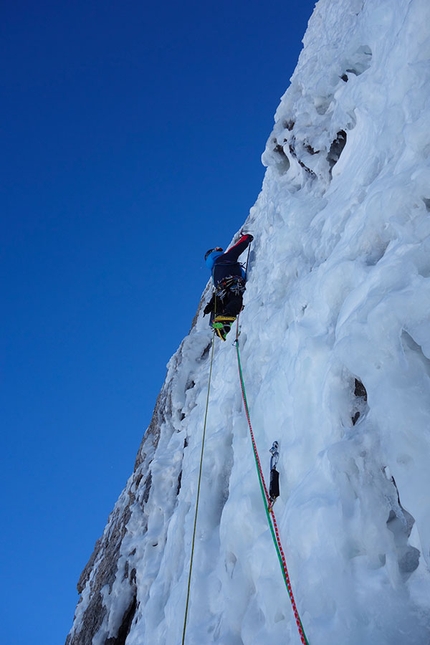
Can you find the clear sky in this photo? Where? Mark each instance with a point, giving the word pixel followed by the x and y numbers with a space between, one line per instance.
pixel 131 136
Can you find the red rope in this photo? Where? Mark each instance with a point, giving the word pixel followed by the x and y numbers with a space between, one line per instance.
pixel 269 509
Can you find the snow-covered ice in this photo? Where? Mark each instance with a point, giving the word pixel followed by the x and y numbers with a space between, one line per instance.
pixel 335 346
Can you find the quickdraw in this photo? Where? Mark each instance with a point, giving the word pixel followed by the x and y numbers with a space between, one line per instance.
pixel 268 503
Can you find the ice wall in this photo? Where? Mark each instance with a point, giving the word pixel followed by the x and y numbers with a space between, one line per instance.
pixel 335 343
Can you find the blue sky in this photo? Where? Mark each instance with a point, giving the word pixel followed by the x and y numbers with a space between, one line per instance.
pixel 131 138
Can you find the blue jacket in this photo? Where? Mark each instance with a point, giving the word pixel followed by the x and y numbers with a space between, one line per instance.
pixel 226 264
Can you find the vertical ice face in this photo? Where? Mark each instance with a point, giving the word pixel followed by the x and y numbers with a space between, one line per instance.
pixel 335 344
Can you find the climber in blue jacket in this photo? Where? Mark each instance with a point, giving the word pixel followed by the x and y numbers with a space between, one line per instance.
pixel 229 284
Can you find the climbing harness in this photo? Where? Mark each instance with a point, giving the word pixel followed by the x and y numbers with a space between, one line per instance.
pixel 221 324
pixel 231 284
pixel 193 541
pixel 268 505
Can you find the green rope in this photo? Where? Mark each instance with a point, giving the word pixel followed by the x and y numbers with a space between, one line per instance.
pixel 193 541
pixel 271 518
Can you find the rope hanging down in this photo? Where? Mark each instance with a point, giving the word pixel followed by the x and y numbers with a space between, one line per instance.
pixel 271 518
pixel 193 541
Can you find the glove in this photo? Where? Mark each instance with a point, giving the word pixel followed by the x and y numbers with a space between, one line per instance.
pixel 209 307
pixel 248 235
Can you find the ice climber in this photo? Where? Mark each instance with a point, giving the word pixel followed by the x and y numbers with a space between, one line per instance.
pixel 229 285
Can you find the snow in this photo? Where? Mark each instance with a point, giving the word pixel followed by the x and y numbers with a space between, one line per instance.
pixel 338 295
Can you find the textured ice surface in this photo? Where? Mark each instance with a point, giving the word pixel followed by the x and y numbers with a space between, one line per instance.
pixel 335 346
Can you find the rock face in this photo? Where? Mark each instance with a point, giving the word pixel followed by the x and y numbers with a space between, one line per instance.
pixel 111 571
pixel 335 345
pixel 107 559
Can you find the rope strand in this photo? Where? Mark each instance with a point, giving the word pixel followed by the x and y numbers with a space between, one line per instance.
pixel 271 518
pixel 193 541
